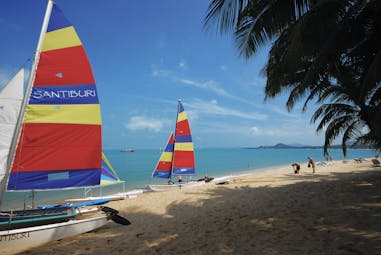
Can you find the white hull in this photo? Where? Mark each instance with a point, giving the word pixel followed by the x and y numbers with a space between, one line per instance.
pixel 223 180
pixel 165 187
pixel 113 197
pixel 46 233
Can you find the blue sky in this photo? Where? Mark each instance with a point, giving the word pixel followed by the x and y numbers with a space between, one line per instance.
pixel 147 54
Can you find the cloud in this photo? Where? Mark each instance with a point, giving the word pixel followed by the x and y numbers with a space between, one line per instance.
pixel 207 85
pixel 144 123
pixel 268 131
pixel 210 85
pixel 183 65
pixel 223 68
pixel 213 108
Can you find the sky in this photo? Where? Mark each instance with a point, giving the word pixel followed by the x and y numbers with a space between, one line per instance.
pixel 146 55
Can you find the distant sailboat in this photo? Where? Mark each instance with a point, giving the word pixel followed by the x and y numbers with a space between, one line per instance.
pixel 108 177
pixel 127 150
pixel 177 159
pixel 57 139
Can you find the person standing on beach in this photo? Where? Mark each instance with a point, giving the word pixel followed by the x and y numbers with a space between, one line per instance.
pixel 296 167
pixel 311 163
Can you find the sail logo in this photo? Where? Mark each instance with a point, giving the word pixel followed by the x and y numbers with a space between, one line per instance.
pixel 60 94
pixel 77 94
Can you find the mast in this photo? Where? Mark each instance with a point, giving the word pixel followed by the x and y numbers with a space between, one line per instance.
pixel 16 135
pixel 177 118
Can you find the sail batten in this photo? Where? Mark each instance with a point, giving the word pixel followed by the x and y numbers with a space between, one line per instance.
pixel 60 143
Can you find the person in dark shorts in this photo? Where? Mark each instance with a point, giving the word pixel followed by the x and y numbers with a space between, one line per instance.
pixel 296 167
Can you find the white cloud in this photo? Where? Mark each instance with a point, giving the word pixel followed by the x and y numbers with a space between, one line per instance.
pixel 210 85
pixel 141 123
pixel 270 132
pixel 213 108
pixel 183 65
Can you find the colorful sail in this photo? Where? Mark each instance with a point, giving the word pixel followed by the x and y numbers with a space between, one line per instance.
pixel 108 175
pixel 183 156
pixel 164 166
pixel 11 97
pixel 60 142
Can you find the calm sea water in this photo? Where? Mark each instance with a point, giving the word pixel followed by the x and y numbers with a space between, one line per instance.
pixel 136 168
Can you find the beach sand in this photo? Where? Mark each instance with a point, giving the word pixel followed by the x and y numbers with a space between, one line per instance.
pixel 335 211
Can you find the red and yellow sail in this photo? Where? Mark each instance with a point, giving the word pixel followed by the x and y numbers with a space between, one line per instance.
pixel 178 156
pixel 60 144
pixel 183 155
pixel 164 166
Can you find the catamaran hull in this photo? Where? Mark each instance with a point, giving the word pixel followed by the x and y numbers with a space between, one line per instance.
pixel 46 233
pixel 223 180
pixel 113 197
pixel 165 187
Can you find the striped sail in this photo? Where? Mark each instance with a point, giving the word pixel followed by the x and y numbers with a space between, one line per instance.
pixel 164 166
pixel 60 142
pixel 183 155
pixel 108 175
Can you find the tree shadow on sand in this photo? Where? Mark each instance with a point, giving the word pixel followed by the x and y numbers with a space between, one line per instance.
pixel 339 214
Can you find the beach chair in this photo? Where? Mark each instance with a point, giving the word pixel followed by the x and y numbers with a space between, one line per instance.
pixel 376 162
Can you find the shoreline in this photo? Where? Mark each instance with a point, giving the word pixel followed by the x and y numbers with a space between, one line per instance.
pixel 337 210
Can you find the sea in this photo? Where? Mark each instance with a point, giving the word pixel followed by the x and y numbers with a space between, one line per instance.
pixel 135 169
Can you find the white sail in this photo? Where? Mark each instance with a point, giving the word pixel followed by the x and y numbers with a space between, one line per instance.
pixel 11 97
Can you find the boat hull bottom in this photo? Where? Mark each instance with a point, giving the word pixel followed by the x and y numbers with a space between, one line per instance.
pixel 24 237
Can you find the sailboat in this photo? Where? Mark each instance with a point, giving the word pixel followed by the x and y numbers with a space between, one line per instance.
pixel 108 177
pixel 56 141
pixel 177 159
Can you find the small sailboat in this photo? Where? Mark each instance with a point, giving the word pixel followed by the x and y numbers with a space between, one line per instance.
pixel 127 150
pixel 177 159
pixel 108 177
pixel 56 141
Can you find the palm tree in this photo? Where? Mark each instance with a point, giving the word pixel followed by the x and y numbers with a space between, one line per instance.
pixel 328 50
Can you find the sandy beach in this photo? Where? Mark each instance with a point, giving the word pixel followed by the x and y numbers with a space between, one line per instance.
pixel 337 210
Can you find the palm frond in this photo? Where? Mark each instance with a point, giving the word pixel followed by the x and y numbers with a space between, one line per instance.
pixel 224 13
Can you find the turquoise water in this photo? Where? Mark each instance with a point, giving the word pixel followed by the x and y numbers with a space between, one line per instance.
pixel 136 168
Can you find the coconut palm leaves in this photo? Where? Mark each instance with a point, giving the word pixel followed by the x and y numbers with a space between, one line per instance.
pixel 323 50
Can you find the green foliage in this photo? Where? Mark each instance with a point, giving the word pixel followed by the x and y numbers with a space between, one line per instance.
pixel 324 50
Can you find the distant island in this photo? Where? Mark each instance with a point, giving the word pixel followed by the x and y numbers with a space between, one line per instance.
pixel 286 146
